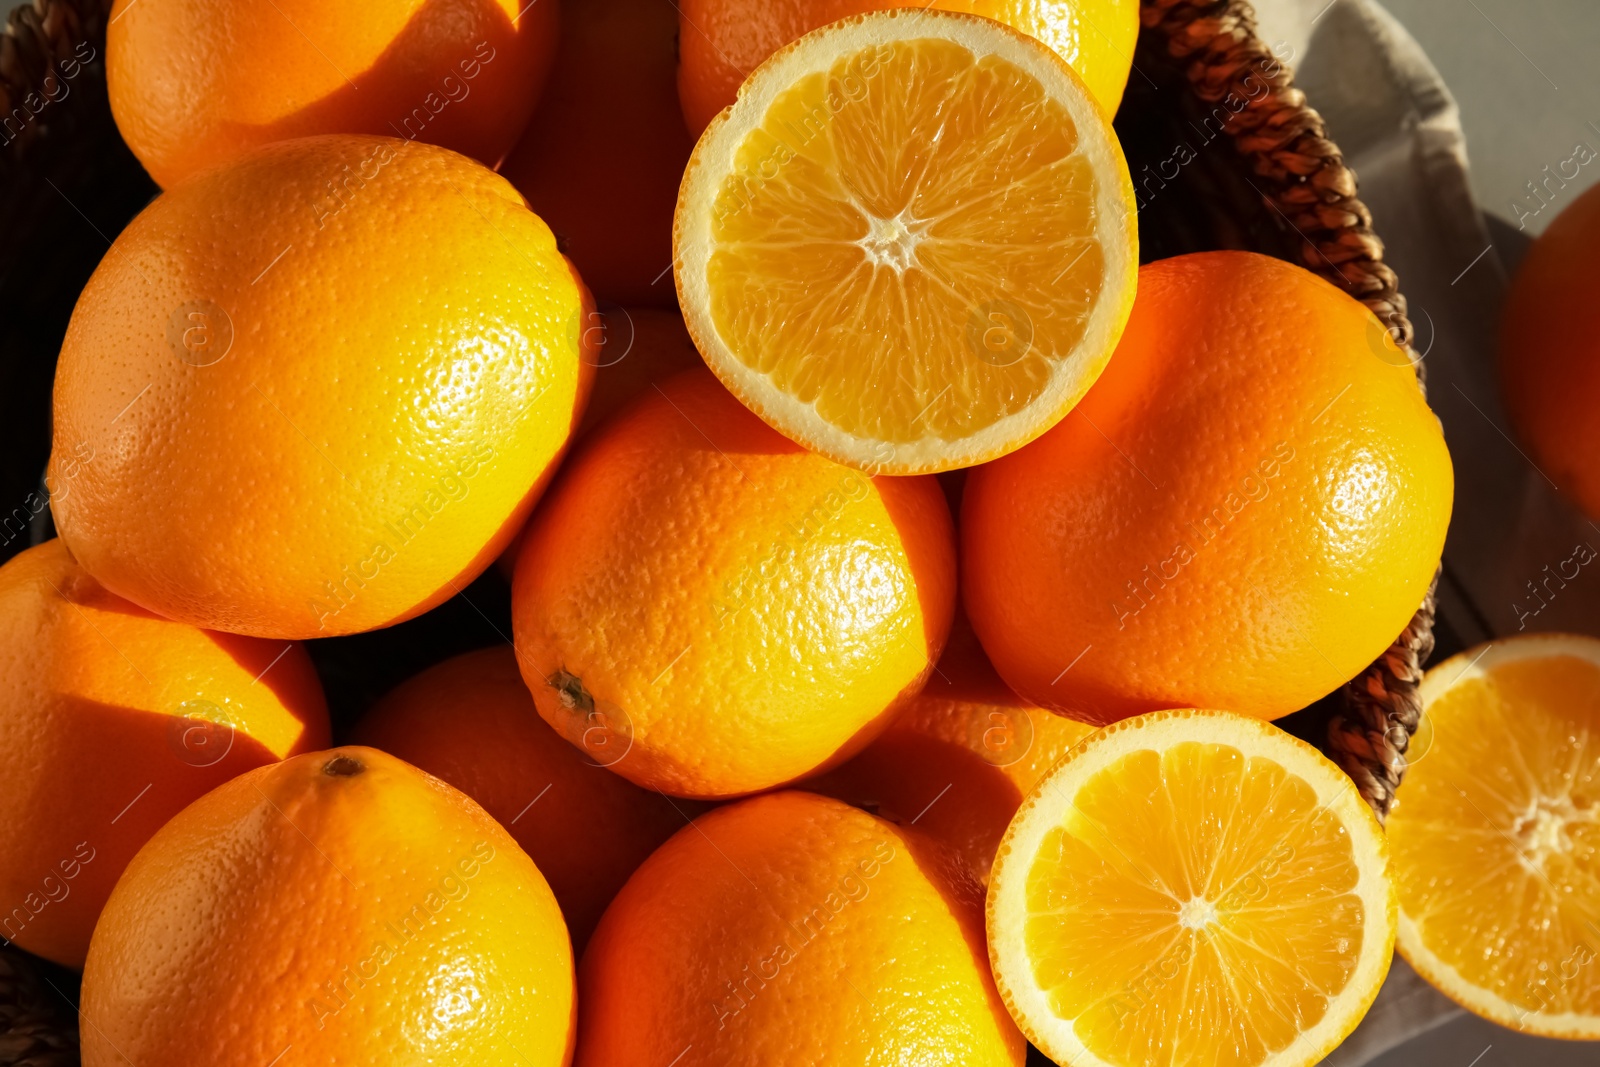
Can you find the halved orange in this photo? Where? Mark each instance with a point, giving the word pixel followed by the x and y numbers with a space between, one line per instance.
pixel 910 245
pixel 1496 835
pixel 1194 888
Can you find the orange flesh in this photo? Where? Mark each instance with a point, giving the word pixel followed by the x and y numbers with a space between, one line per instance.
pixel 849 238
pixel 1229 935
pixel 1497 836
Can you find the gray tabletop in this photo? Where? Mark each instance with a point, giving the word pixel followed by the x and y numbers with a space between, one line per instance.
pixel 1489 117
pixel 1527 79
pixel 1526 74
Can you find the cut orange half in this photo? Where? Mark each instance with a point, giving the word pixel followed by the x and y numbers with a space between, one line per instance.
pixel 1194 888
pixel 1496 835
pixel 911 243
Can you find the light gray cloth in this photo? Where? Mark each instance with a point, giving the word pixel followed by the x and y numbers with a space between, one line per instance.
pixel 1398 126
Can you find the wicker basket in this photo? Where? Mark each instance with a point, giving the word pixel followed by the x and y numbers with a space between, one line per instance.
pixel 1263 176
pixel 36 1024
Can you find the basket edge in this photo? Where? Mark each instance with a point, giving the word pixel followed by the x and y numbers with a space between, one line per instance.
pixel 1301 174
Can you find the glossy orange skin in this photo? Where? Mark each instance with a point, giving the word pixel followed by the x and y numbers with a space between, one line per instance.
pixel 721 41
pixel 711 610
pixel 107 710
pixel 632 349
pixel 791 928
pixel 601 159
pixel 1243 512
pixel 958 760
pixel 1550 352
pixel 340 907
pixel 470 722
pixel 197 83
pixel 302 425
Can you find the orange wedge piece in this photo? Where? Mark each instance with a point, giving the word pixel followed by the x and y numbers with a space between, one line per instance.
pixel 1496 835
pixel 1191 888
pixel 910 245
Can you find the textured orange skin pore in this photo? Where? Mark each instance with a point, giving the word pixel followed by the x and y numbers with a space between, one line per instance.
pixel 274 416
pixel 791 925
pixel 471 722
pixel 93 694
pixel 1550 352
pixel 197 84
pixel 338 908
pixel 738 612
pixel 958 760
pixel 1242 513
pixel 631 349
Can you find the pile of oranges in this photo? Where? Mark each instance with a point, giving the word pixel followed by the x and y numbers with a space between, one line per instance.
pixel 874 524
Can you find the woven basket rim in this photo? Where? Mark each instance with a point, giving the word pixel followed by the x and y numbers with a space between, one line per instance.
pixel 1299 172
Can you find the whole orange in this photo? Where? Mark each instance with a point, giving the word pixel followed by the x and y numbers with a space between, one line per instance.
pixel 601 159
pixel 316 413
pixel 958 760
pixel 721 41
pixel 631 349
pixel 1550 352
pixel 339 907
pixel 1243 512
pixel 710 610
pixel 793 928
pixel 197 83
pixel 116 719
pixel 471 722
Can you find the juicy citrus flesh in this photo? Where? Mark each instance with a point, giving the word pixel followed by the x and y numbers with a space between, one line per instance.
pixel 1191 888
pixel 909 245
pixel 1497 835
